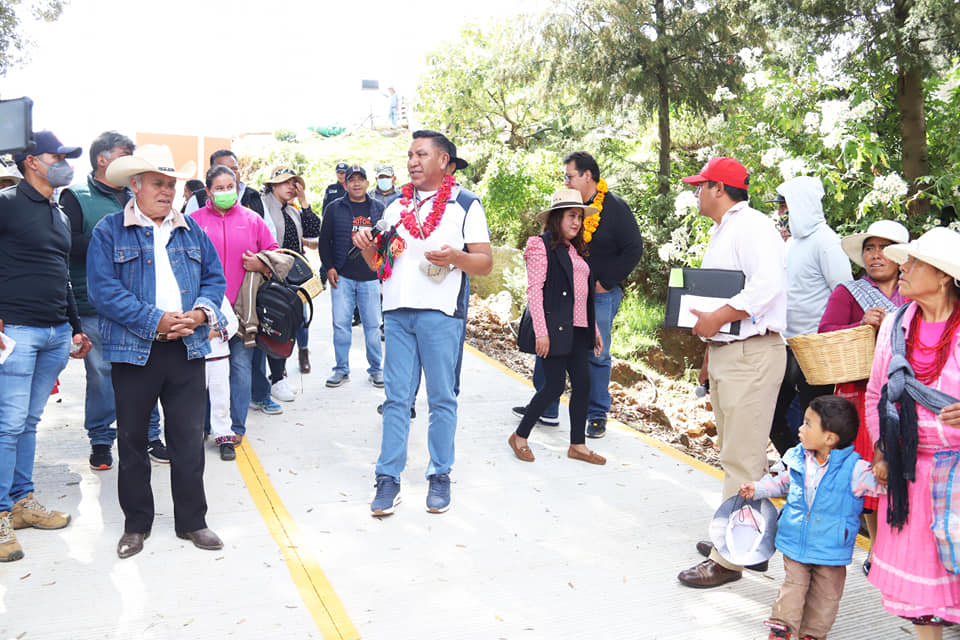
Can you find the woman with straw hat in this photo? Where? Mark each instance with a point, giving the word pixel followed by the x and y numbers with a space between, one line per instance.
pixel 866 301
pixel 560 326
pixel 912 413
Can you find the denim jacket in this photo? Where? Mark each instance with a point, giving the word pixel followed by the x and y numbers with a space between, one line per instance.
pixel 121 283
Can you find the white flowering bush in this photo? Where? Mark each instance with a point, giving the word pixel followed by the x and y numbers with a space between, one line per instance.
pixel 887 195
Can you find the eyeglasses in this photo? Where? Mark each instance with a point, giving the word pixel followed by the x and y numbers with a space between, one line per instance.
pixel 284 171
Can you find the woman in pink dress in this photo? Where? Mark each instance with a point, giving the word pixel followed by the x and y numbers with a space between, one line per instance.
pixel 917 416
pixel 866 301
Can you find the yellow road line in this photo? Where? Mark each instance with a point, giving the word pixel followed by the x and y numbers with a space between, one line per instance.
pixel 862 541
pixel 315 590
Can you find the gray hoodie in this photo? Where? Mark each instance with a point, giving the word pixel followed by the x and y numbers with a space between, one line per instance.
pixel 816 263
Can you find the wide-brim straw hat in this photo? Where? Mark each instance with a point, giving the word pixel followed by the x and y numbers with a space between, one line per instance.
pixel 283 173
pixel 565 199
pixel 939 247
pixel 10 173
pixel 886 229
pixel 149 158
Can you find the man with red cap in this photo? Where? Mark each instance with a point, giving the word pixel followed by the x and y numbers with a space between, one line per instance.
pixel 745 370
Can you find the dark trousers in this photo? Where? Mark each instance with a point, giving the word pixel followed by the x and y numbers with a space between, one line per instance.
pixel 794 385
pixel 555 371
pixel 180 386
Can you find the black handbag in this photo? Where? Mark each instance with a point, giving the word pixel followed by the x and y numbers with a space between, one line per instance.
pixel 526 338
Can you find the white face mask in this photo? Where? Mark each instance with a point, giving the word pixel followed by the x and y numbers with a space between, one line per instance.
pixel 384 184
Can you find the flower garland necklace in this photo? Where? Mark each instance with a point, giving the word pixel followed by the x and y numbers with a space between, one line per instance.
pixel 411 219
pixel 390 245
pixel 591 222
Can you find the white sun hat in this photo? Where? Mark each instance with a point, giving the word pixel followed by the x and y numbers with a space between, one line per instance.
pixel 939 247
pixel 148 158
pixel 886 229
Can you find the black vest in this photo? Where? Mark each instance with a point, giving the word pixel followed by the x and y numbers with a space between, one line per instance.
pixel 557 304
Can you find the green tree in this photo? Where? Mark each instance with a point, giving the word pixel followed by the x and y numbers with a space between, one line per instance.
pixel 902 42
pixel 13 44
pixel 651 55
pixel 484 86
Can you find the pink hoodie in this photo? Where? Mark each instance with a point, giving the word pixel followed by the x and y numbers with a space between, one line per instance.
pixel 233 233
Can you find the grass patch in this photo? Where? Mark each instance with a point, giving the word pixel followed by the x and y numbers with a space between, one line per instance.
pixel 635 327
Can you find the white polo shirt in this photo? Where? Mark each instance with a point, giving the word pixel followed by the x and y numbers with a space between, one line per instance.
pixel 408 287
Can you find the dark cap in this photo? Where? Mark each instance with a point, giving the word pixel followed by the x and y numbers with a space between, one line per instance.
pixel 355 169
pixel 46 142
pixel 342 166
pixel 778 200
pixel 460 163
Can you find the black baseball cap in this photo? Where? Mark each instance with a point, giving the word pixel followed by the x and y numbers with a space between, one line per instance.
pixel 46 142
pixel 778 200
pixel 355 169
pixel 342 166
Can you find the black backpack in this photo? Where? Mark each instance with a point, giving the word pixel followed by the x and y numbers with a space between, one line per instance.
pixel 280 313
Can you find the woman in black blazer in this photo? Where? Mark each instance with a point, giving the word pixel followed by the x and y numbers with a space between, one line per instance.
pixel 559 324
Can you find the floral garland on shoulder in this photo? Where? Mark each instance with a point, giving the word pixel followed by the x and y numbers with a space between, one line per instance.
pixel 390 245
pixel 590 223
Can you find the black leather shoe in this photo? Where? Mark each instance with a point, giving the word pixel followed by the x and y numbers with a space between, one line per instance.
pixel 131 544
pixel 227 451
pixel 704 547
pixel 597 428
pixel 203 539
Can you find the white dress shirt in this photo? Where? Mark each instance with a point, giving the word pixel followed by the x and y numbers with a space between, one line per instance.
pixel 168 291
pixel 747 240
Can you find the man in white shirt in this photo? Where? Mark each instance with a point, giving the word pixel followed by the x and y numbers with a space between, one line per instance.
pixel 744 370
pixel 423 261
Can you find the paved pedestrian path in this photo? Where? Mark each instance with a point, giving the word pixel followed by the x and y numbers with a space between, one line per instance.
pixel 550 550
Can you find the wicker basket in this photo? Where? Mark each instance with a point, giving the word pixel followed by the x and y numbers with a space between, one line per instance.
pixel 837 356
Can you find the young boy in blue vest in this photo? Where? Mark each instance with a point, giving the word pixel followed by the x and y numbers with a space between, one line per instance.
pixel 824 484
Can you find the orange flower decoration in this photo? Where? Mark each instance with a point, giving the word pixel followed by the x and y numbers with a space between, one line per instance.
pixel 590 223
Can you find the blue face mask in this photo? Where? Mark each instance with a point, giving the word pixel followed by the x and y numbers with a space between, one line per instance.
pixel 59 174
pixel 384 184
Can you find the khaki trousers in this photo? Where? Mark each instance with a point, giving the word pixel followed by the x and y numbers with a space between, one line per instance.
pixel 809 598
pixel 745 378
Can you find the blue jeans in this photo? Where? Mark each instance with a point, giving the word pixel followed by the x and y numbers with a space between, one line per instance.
pixel 100 413
pixel 606 305
pixel 415 338
pixel 364 295
pixel 259 383
pixel 241 373
pixel 26 378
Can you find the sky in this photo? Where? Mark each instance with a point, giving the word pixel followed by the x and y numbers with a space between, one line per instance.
pixel 221 69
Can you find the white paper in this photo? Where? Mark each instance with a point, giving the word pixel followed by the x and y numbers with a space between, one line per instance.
pixel 8 345
pixel 700 303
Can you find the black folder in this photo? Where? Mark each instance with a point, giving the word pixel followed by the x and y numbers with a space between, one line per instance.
pixel 709 283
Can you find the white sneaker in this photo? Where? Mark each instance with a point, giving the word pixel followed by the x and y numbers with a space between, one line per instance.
pixel 282 391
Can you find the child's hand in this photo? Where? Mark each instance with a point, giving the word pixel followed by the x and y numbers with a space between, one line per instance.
pixel 748 490
pixel 880 472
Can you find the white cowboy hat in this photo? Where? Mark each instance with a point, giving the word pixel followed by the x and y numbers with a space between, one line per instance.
pixel 565 199
pixel 886 229
pixel 744 531
pixel 10 173
pixel 939 247
pixel 150 157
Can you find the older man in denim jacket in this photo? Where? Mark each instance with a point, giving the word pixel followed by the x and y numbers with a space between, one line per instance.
pixel 155 279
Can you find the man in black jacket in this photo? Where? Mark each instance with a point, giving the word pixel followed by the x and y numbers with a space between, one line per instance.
pixel 338 189
pixel 353 283
pixel 615 249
